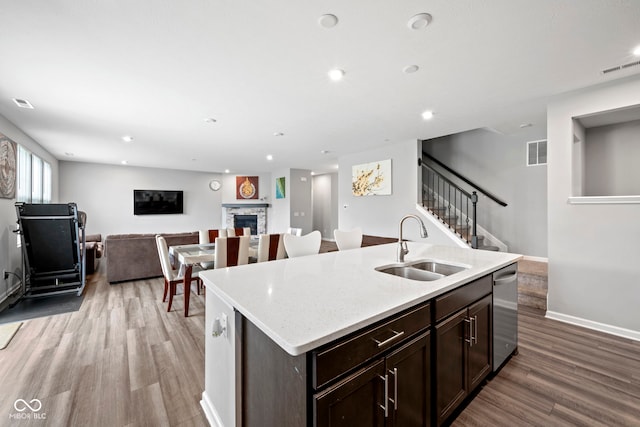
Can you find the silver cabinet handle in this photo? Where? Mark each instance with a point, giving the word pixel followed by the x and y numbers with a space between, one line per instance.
pixel 475 329
pixel 386 395
pixel 509 278
pixel 388 340
pixel 470 334
pixel 395 388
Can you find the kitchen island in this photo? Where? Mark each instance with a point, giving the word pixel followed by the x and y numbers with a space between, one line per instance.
pixel 269 327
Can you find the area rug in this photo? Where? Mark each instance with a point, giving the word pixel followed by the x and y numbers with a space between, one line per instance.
pixel 30 308
pixel 7 331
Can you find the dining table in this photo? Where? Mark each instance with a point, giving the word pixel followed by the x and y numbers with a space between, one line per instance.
pixel 191 255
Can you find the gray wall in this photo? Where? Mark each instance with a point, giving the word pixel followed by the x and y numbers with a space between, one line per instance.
pixel 10 258
pixel 105 193
pixel 593 248
pixel 325 204
pixel 497 163
pixel 380 215
pixel 611 160
pixel 301 204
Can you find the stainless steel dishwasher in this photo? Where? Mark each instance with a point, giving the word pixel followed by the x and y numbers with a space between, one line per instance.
pixel 505 314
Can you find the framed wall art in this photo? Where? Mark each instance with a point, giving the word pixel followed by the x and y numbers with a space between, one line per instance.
pixel 8 161
pixel 371 179
pixel 280 188
pixel 246 187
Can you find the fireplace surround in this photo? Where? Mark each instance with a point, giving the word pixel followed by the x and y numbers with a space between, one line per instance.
pixel 245 209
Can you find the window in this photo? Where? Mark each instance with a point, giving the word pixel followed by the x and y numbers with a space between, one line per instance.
pixel 34 178
pixel 537 152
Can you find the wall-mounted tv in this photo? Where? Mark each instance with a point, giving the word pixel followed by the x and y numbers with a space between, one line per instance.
pixel 157 202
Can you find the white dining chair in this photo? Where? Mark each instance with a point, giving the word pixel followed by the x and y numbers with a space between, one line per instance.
pixel 236 232
pixel 348 239
pixel 270 247
pixel 210 236
pixel 171 277
pixel 308 244
pixel 231 251
pixel 294 231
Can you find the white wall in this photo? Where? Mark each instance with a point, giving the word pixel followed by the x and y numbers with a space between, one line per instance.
pixel 10 258
pixel 279 220
pixel 380 215
pixel 301 205
pixel 497 163
pixel 593 249
pixel 105 193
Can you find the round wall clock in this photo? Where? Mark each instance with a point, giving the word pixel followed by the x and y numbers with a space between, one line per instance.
pixel 215 185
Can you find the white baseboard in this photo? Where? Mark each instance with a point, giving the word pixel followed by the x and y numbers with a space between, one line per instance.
pixel 535 258
pixel 210 412
pixel 596 326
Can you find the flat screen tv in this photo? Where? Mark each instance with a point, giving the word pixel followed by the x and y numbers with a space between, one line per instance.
pixel 157 202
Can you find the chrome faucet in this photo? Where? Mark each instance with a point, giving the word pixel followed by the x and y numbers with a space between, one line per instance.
pixel 402 246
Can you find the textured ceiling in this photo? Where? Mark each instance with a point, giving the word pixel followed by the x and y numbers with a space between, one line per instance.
pixel 98 70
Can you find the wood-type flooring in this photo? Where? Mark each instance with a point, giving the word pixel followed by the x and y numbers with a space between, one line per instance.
pixel 122 360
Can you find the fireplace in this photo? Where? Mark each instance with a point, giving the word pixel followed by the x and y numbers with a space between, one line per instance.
pixel 257 212
pixel 251 221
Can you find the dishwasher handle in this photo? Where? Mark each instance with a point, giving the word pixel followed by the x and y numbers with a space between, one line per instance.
pixel 505 279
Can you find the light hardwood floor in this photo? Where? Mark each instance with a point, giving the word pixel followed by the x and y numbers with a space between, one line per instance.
pixel 122 360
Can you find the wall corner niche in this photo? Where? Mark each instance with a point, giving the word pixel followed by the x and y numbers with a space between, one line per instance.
pixel 604 155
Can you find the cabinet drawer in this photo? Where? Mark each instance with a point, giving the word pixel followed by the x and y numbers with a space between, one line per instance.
pixel 348 353
pixel 453 301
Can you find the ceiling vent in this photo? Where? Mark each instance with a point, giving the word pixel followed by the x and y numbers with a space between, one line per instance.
pixel 23 103
pixel 620 67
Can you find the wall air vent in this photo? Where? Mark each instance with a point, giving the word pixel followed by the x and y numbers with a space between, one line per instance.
pixel 620 67
pixel 23 103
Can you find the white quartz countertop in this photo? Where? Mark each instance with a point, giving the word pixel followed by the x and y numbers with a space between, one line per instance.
pixel 303 303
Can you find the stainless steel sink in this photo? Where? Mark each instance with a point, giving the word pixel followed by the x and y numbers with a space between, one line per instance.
pixel 422 270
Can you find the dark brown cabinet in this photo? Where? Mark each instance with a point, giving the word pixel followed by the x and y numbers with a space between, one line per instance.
pixel 392 391
pixel 463 346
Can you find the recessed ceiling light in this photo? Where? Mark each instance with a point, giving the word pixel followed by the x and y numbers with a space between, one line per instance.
pixel 419 21
pixel 410 69
pixel 124 162
pixel 324 151
pixel 525 125
pixel 328 20
pixel 278 134
pixel 269 157
pixel 427 115
pixel 210 120
pixel 336 74
pixel 226 171
pixel 22 103
pixel 68 154
pixel 312 173
pixel 127 138
pixel 636 51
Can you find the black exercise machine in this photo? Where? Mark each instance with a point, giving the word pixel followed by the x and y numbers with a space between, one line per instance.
pixel 53 248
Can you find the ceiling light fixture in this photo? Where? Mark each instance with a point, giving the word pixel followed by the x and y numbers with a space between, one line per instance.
pixel 124 162
pixel 336 74
pixel 525 125
pixel 636 51
pixel 410 69
pixel 269 157
pixel 210 120
pixel 226 171
pixel 127 138
pixel 427 115
pixel 68 154
pixel 328 20
pixel 22 103
pixel 324 151
pixel 419 21
pixel 278 134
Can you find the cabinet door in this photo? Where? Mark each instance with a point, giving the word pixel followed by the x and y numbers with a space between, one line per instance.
pixel 408 370
pixel 451 364
pixel 480 348
pixel 356 401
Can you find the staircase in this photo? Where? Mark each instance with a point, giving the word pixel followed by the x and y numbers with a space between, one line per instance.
pixel 451 204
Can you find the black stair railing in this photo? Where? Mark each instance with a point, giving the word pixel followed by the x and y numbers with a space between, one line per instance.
pixel 450 203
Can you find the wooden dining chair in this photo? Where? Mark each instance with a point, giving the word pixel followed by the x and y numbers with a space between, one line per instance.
pixel 237 232
pixel 308 244
pixel 348 239
pixel 270 247
pixel 231 251
pixel 171 276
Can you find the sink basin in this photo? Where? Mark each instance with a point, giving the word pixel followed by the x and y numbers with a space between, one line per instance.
pixel 422 270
